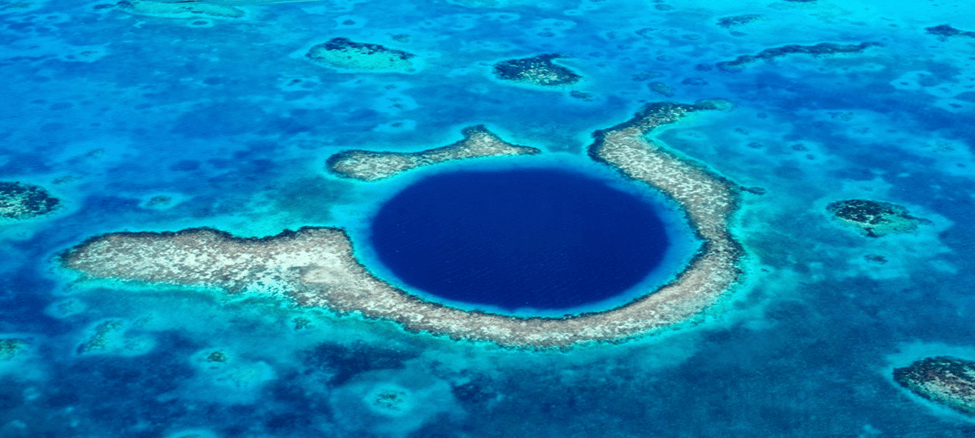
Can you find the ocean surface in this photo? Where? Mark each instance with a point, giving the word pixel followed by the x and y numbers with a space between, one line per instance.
pixel 147 123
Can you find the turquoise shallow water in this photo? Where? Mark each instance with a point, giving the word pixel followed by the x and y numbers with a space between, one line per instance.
pixel 141 123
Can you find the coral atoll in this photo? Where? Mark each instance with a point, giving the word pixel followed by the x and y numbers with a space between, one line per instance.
pixel 23 201
pixel 949 381
pixel 536 70
pixel 316 267
pixel 342 53
pixel 875 218
pixel 372 166
pixel 821 49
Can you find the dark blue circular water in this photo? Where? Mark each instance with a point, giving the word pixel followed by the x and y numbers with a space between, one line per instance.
pixel 538 238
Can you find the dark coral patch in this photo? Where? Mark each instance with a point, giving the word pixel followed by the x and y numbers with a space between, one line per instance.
pixel 739 20
pixel 22 201
pixel 945 31
pixel 875 218
pixel 821 49
pixel 345 361
pixel 537 70
pixel 343 53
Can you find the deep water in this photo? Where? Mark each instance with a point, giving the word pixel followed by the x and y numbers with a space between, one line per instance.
pixel 143 123
pixel 535 238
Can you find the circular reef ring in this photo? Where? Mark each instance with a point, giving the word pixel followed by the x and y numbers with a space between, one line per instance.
pixel 316 267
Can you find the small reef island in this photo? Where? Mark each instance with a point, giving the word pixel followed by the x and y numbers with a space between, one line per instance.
pixel 373 166
pixel 316 267
pixel 24 201
pixel 874 218
pixel 948 381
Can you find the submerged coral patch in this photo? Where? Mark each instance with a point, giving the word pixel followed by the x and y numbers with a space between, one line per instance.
pixel 392 403
pixel 821 49
pixel 12 348
pixel 342 53
pixel 316 267
pixel 739 20
pixel 240 2
pixel 478 142
pixel 949 381
pixel 875 218
pixel 178 10
pixel 23 201
pixel 536 70
pixel 945 31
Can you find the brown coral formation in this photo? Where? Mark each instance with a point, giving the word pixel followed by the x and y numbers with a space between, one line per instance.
pixel 946 380
pixel 316 267
pixel 478 142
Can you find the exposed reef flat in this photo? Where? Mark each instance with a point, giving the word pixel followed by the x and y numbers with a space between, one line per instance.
pixel 945 31
pixel 821 49
pixel 24 201
pixel 342 53
pixel 179 10
pixel 875 218
pixel 537 70
pixel 946 380
pixel 316 267
pixel 373 166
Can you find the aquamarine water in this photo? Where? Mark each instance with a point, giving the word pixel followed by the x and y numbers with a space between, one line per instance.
pixel 143 123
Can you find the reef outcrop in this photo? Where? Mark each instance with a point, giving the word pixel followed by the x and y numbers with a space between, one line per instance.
pixel 478 142
pixel 345 54
pixel 874 218
pixel 536 70
pixel 821 49
pixel 24 201
pixel 316 267
pixel 949 381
